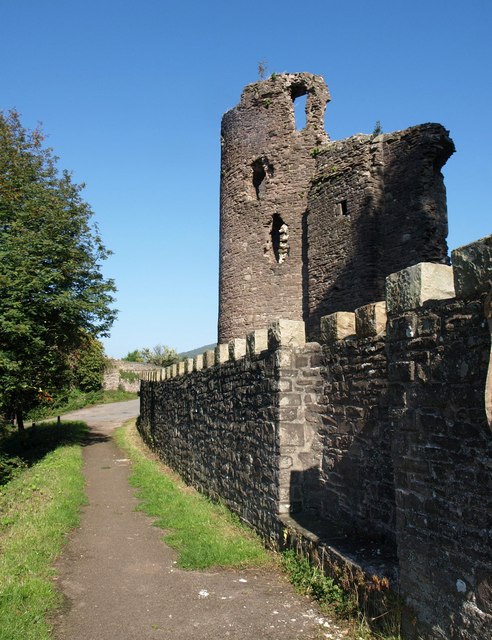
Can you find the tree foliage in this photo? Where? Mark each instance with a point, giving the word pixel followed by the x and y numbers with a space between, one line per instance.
pixel 52 293
pixel 87 364
pixel 160 355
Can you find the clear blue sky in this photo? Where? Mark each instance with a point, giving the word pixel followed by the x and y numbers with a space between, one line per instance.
pixel 131 94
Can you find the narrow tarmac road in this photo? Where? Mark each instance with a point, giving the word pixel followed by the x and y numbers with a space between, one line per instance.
pixel 121 581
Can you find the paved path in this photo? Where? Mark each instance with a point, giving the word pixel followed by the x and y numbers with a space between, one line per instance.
pixel 121 581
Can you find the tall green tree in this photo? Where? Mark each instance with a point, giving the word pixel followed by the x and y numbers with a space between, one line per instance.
pixel 52 292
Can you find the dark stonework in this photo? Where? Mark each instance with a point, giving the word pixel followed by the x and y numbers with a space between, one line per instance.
pixel 218 428
pixel 267 165
pixel 377 205
pixel 357 470
pixel 442 457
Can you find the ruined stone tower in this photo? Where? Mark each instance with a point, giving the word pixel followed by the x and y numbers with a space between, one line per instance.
pixel 267 167
pixel 309 226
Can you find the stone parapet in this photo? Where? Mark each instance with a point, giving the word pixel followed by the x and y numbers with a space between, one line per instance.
pixel 337 326
pixel 472 268
pixel 411 287
pixel 280 334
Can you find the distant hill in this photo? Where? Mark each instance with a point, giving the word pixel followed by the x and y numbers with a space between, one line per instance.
pixel 196 352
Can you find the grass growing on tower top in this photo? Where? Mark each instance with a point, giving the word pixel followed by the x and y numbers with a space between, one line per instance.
pixel 203 533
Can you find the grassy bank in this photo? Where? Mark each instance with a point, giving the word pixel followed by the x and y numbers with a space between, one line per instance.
pixel 38 507
pixel 204 534
pixel 77 399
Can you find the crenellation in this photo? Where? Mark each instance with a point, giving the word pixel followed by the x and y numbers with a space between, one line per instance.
pixel 221 353
pixel 256 342
pixel 198 362
pixel 370 320
pixel 337 326
pixel 472 268
pixel 286 333
pixel 237 348
pixel 411 287
pixel 209 358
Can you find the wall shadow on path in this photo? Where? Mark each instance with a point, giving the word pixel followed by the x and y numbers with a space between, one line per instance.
pixel 38 441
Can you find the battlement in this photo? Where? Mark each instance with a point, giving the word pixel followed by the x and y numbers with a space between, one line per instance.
pixel 280 333
pixel 406 290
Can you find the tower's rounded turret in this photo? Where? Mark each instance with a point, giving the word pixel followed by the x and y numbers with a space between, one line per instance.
pixel 267 166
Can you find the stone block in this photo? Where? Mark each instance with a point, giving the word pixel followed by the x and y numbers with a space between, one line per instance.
pixel 189 364
pixel 411 287
pixel 337 326
pixel 286 333
pixel 198 362
pixel 256 342
pixel 237 348
pixel 472 267
pixel 174 370
pixel 181 368
pixel 370 320
pixel 285 462
pixel 291 434
pixel 209 358
pixel 221 353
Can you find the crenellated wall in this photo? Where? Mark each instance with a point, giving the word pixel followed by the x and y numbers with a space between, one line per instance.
pixel 374 444
pixel 231 421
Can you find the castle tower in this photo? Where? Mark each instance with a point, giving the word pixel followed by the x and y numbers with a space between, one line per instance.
pixel 309 226
pixel 266 171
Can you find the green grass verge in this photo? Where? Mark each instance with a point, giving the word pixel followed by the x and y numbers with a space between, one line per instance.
pixel 77 399
pixel 309 580
pixel 38 508
pixel 335 601
pixel 205 534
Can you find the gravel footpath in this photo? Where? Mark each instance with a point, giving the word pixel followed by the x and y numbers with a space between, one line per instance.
pixel 121 581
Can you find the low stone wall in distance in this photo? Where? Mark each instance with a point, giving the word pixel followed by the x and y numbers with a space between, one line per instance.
pixel 124 375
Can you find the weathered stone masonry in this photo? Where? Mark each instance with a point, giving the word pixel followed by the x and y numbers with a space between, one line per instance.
pixel 379 434
pixel 309 226
pixel 236 429
pixel 371 447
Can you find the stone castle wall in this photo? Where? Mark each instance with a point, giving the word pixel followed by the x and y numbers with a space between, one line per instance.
pixel 370 445
pixel 377 438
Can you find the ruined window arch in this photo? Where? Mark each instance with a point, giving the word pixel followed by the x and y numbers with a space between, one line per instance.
pixel 261 169
pixel 343 208
pixel 298 93
pixel 258 176
pixel 280 238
